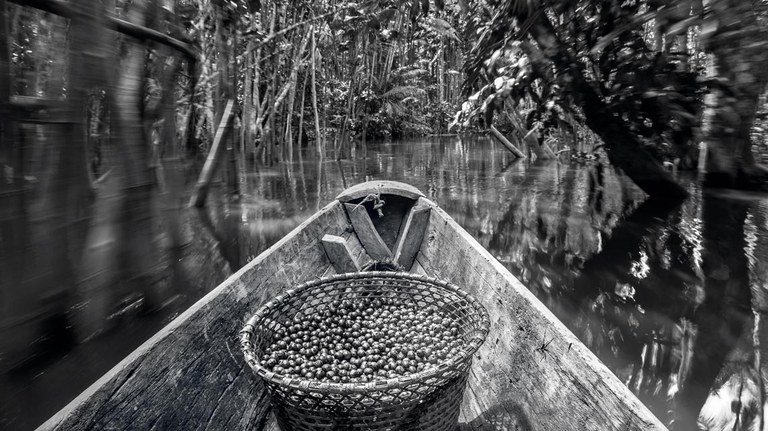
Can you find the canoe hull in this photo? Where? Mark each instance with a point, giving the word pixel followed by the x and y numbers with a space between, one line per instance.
pixel 532 372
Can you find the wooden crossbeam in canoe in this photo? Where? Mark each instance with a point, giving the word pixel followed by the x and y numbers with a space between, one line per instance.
pixel 338 252
pixel 367 233
pixel 412 234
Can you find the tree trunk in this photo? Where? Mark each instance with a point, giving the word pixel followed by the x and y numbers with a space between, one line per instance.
pixel 137 256
pixel 225 91
pixel 289 90
pixel 300 133
pixel 624 149
pixel 171 159
pixel 189 125
pixel 739 56
pixel 318 138
pixel 15 239
pixel 5 93
pixel 246 135
pixel 92 61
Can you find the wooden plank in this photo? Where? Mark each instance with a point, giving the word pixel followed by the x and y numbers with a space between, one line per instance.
pixel 356 248
pixel 412 233
pixel 357 251
pixel 367 233
pixel 339 254
pixel 501 138
pixel 192 373
pixel 558 387
pixel 212 162
pixel 384 187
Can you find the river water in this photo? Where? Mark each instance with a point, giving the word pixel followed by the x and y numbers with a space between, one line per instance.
pixel 669 296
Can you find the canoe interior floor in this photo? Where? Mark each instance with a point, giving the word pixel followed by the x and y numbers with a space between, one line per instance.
pixel 471 418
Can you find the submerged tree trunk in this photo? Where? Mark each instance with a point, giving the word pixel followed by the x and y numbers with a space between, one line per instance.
pixel 738 49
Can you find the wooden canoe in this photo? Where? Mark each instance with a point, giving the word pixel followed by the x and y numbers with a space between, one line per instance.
pixel 532 373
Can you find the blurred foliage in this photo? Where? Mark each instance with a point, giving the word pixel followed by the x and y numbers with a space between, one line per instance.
pixel 656 90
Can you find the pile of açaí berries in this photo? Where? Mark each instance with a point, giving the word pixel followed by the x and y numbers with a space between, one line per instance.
pixel 363 340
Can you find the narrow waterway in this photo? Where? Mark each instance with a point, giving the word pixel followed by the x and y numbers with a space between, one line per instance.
pixel 668 296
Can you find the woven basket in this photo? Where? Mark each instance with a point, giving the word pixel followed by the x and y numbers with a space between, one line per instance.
pixel 428 400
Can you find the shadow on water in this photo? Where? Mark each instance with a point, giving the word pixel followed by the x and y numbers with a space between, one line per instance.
pixel 669 297
pixel 663 293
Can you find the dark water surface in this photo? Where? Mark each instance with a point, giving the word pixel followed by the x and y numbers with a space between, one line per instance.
pixel 669 296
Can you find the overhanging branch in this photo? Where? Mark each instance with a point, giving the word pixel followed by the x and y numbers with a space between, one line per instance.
pixel 58 7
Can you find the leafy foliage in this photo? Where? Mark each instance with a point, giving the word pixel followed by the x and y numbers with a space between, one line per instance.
pixel 652 91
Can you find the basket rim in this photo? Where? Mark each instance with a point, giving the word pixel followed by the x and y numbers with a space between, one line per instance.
pixel 304 384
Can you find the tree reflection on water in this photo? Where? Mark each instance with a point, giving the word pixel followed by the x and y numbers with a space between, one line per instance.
pixel 669 296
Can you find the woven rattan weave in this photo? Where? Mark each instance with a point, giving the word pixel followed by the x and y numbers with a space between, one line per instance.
pixel 428 400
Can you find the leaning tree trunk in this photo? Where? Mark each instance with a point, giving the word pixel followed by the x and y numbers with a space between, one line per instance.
pixel 624 148
pixel 226 43
pixel 739 59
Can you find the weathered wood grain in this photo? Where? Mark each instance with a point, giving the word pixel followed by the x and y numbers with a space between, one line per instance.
pixel 358 252
pixel 339 254
pixel 531 369
pixel 192 374
pixel 356 248
pixel 411 234
pixel 367 233
pixel 384 187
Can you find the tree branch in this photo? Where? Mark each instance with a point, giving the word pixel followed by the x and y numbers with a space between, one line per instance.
pixel 58 7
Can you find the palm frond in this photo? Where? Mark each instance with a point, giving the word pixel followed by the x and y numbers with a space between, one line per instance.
pixel 403 91
pixel 443 28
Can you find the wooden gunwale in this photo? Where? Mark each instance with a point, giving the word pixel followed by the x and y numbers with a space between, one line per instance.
pixel 532 369
pixel 192 373
pixel 532 372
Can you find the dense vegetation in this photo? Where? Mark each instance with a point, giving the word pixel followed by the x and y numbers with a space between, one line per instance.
pixel 639 64
pixel 332 73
